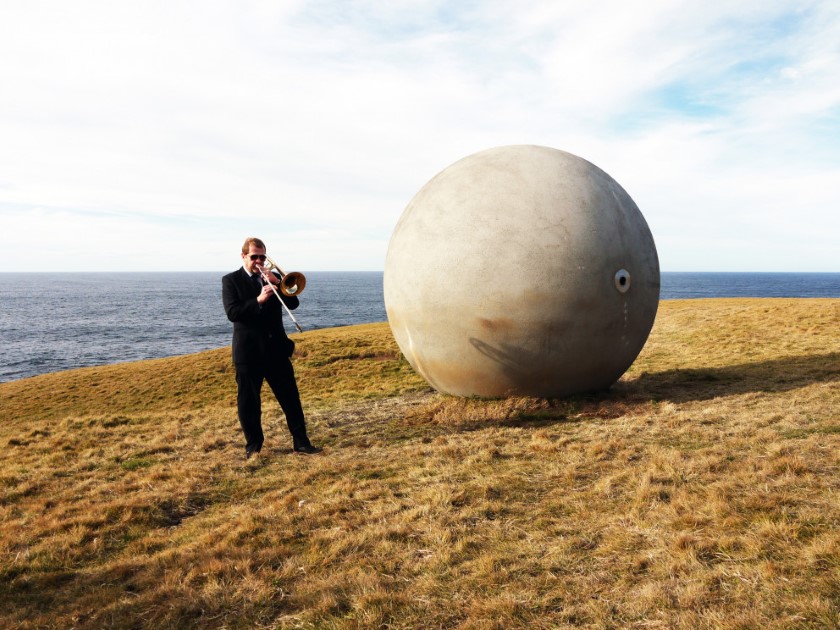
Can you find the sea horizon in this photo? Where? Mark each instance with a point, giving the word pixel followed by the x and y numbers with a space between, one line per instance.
pixel 224 271
pixel 99 318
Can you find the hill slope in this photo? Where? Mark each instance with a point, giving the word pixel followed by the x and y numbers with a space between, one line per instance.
pixel 701 491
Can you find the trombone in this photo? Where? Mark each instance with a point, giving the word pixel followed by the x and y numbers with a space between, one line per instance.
pixel 291 284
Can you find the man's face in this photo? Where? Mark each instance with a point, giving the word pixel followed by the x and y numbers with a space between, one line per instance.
pixel 255 255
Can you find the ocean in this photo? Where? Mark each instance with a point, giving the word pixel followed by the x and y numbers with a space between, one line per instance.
pixel 60 321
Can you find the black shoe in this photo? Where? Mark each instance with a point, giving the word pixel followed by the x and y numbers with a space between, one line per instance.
pixel 307 449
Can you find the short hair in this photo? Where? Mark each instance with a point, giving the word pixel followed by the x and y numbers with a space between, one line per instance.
pixel 252 240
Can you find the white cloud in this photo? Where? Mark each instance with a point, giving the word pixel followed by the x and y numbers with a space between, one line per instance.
pixel 172 125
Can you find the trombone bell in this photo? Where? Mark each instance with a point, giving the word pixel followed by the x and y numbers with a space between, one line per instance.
pixel 291 283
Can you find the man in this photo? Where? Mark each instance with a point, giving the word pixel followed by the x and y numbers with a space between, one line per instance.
pixel 261 349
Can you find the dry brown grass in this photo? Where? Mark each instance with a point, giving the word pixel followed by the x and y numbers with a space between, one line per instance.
pixel 700 492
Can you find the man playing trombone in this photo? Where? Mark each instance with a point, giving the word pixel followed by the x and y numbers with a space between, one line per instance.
pixel 261 348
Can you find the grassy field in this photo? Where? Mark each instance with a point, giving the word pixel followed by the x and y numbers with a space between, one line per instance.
pixel 701 491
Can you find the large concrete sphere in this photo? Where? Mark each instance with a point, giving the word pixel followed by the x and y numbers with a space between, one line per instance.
pixel 521 270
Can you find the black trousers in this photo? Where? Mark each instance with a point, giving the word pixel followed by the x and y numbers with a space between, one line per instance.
pixel 281 378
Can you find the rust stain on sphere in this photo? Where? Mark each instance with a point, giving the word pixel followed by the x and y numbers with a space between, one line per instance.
pixel 521 270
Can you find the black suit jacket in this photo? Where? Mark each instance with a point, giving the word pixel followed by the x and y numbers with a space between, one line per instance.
pixel 258 333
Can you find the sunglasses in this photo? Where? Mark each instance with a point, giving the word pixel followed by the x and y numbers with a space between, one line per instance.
pixel 257 256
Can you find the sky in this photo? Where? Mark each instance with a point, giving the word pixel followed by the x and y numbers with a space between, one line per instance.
pixel 157 135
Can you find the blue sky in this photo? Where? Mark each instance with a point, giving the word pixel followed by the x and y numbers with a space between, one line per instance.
pixel 156 135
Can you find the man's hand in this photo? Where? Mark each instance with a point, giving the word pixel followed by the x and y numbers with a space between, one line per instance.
pixel 266 273
pixel 266 293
